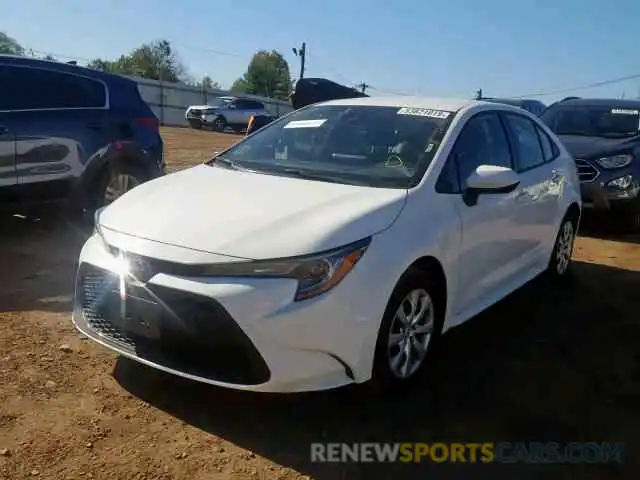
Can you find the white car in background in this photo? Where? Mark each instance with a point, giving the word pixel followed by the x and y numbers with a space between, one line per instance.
pixel 333 246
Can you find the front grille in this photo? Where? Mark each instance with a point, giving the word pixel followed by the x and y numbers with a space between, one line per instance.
pixel 97 288
pixel 587 172
pixel 195 113
pixel 183 331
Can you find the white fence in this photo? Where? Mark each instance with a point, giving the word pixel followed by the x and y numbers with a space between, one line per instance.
pixel 170 100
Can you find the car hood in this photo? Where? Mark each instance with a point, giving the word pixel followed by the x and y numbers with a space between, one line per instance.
pixel 580 146
pixel 251 215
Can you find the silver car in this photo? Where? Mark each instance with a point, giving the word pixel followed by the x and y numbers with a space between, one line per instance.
pixel 226 112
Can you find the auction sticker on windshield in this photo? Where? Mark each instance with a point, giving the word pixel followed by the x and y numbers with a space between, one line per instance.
pixel 424 112
pixel 305 123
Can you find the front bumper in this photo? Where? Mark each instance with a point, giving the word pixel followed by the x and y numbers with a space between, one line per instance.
pixel 597 196
pixel 237 333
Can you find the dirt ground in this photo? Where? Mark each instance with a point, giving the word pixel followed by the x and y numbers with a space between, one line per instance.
pixel 543 365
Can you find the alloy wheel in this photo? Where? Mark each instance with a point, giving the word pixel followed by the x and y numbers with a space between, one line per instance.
pixel 118 185
pixel 410 333
pixel 564 248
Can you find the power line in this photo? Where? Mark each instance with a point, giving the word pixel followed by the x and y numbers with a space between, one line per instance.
pixel 208 50
pixel 584 87
pixel 303 54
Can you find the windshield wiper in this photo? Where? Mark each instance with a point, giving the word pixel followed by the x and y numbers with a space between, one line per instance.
pixel 229 164
pixel 312 175
pixel 620 135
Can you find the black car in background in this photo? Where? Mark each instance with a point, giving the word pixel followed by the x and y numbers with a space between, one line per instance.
pixel 72 133
pixel 308 91
pixel 603 135
pixel 534 106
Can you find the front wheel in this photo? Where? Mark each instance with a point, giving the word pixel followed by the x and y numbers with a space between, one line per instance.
pixel 219 124
pixel 409 332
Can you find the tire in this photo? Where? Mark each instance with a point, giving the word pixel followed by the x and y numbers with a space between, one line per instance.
pixel 560 263
pixel 634 217
pixel 219 124
pixel 117 179
pixel 390 358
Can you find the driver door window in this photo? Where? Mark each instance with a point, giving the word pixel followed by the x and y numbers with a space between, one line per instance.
pixel 482 142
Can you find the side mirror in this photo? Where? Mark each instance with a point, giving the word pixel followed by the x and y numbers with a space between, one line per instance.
pixel 489 179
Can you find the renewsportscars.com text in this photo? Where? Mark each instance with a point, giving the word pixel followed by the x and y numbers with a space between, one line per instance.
pixel 487 452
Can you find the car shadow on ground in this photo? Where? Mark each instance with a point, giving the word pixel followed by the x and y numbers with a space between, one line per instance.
pixel 38 255
pixel 608 226
pixel 546 364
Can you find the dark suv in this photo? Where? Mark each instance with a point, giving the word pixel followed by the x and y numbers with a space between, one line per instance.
pixel 534 106
pixel 72 133
pixel 603 135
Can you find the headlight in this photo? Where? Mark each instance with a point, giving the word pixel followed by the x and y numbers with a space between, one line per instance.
pixel 316 274
pixel 615 161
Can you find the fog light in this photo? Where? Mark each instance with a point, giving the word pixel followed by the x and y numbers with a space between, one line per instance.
pixel 622 183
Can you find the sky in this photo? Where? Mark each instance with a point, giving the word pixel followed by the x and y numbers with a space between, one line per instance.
pixel 419 47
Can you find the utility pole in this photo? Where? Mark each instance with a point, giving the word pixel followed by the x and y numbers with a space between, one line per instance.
pixel 363 87
pixel 302 53
pixel 479 94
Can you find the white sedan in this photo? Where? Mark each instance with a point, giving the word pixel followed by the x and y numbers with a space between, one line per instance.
pixel 333 246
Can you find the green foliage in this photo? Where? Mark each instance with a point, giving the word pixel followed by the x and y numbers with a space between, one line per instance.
pixel 156 60
pixel 10 46
pixel 208 83
pixel 267 75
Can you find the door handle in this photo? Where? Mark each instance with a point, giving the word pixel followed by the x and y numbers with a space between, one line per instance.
pixel 3 130
pixel 95 125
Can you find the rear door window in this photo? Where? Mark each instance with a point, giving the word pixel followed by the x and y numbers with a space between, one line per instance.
pixel 528 151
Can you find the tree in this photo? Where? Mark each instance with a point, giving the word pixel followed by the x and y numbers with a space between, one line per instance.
pixel 10 46
pixel 209 84
pixel 156 60
pixel 267 75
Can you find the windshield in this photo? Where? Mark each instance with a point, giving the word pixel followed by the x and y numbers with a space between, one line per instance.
pixel 362 145
pixel 593 121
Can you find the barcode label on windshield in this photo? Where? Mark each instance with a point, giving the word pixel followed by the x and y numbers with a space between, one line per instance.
pixel 624 111
pixel 305 123
pixel 424 112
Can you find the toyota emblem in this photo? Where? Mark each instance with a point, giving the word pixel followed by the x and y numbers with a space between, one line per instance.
pixel 140 268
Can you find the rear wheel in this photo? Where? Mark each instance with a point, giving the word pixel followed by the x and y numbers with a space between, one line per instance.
pixel 560 261
pixel 117 180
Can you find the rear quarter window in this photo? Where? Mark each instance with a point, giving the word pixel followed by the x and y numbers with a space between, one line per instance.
pixel 37 88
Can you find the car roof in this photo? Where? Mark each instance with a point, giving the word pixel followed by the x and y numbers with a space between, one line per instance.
pixel 601 102
pixel 62 67
pixel 434 103
pixel 513 101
